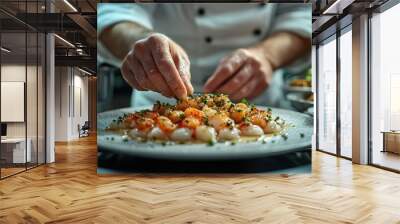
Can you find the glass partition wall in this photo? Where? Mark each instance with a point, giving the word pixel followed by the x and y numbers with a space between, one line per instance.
pixel 327 96
pixel 334 94
pixel 22 107
pixel 385 89
pixel 345 93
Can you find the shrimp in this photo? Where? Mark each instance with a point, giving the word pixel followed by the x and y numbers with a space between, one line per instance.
pixel 148 114
pixel 176 116
pixel 161 107
pixel 222 102
pixel 140 120
pixel 205 100
pixel 239 112
pixel 221 120
pixel 144 124
pixel 190 122
pixel 165 124
pixel 209 112
pixel 260 120
pixel 193 112
pixel 189 102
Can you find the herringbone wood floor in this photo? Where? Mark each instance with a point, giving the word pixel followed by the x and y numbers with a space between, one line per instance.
pixel 70 191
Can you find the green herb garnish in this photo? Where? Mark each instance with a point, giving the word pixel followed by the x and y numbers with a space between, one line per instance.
pixel 245 101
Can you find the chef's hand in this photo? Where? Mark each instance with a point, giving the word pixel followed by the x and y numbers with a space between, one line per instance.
pixel 157 63
pixel 246 73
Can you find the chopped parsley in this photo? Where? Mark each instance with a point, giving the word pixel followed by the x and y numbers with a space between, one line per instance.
pixel 245 101
pixel 206 121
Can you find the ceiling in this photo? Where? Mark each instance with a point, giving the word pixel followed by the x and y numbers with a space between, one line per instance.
pixel 330 15
pixel 72 20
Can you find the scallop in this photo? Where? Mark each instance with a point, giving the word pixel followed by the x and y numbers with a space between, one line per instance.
pixel 220 121
pixel 157 133
pixel 272 127
pixel 251 130
pixel 229 134
pixel 205 134
pixel 181 134
pixel 135 133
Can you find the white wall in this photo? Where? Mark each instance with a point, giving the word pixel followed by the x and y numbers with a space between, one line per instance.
pixel 70 83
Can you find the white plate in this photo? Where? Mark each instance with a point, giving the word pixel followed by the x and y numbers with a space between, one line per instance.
pixel 298 139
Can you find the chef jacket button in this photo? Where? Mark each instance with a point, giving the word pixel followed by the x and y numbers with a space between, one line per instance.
pixel 201 12
pixel 208 39
pixel 257 32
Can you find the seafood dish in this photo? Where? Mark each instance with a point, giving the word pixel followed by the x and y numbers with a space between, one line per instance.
pixel 204 118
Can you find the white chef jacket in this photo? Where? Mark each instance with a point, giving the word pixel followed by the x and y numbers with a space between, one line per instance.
pixel 208 32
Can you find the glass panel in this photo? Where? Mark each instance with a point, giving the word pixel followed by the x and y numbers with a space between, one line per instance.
pixel 346 94
pixel 41 99
pixel 31 98
pixel 32 88
pixel 13 87
pixel 314 72
pixel 385 89
pixel 327 96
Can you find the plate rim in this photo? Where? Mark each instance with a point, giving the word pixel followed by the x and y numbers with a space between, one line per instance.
pixel 108 146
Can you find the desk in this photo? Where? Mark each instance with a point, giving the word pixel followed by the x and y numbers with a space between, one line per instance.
pixel 15 148
pixel 391 141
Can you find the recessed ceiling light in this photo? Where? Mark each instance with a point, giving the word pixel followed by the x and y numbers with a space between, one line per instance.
pixel 70 5
pixel 5 49
pixel 84 71
pixel 65 41
pixel 337 7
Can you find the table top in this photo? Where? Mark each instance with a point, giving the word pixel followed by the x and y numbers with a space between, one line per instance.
pixel 391 132
pixel 13 140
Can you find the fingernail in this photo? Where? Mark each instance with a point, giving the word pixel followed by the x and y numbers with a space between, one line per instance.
pixel 181 94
